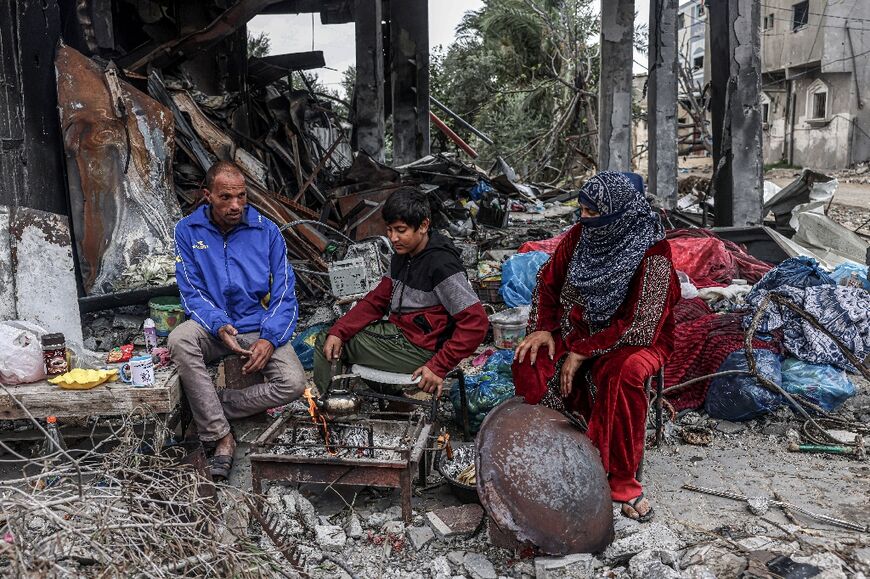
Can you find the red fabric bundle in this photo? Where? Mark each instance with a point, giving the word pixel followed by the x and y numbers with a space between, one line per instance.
pixel 545 245
pixel 705 261
pixel 713 262
pixel 700 347
pixel 688 310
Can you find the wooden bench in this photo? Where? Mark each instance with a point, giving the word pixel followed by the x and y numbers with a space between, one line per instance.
pixel 110 399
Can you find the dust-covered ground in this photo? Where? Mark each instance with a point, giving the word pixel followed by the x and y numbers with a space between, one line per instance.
pixel 691 535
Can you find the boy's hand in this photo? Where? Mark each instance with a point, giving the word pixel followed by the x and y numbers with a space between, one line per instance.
pixel 332 348
pixel 429 381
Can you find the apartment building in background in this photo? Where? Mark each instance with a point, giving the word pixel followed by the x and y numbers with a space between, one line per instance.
pixel 815 83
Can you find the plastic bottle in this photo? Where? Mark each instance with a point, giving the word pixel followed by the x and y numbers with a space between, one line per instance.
pixel 49 447
pixel 150 329
pixel 54 435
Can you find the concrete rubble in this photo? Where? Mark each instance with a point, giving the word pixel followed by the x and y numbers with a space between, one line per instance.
pixel 167 106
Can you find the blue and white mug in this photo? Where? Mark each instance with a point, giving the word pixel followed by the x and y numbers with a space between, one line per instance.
pixel 138 372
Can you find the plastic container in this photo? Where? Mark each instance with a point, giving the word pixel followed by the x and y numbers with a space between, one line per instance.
pixel 167 314
pixel 54 354
pixel 509 327
pixel 150 330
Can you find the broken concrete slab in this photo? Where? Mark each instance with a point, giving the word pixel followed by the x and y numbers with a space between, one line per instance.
pixel 439 568
pixel 575 566
pixel 419 536
pixel 456 557
pixel 393 527
pixel 479 567
pixel 655 564
pixel 330 537
pixel 453 521
pixel 653 536
pixel 46 293
pixel 354 528
pixel 700 572
pixel 306 512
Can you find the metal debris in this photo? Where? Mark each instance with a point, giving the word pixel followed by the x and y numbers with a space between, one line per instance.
pixel 544 485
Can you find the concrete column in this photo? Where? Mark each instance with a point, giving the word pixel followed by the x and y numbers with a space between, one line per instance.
pixel 409 47
pixel 369 92
pixel 738 186
pixel 747 160
pixel 662 101
pixel 614 93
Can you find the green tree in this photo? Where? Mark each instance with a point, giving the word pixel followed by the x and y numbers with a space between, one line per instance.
pixel 258 45
pixel 526 73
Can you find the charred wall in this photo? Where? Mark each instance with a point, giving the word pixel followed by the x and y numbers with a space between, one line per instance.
pixel 31 166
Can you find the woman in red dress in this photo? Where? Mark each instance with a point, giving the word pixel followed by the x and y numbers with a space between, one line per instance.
pixel 600 324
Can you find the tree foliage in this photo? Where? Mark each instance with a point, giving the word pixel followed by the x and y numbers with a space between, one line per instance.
pixel 258 45
pixel 526 73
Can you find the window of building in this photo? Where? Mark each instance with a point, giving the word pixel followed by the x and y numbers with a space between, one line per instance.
pixel 698 62
pixel 817 101
pixel 699 11
pixel 681 20
pixel 768 22
pixel 820 105
pixel 800 15
pixel 765 110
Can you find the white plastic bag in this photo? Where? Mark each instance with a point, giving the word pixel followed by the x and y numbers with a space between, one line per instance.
pixel 687 288
pixel 20 352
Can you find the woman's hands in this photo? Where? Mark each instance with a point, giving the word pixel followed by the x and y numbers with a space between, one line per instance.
pixel 532 343
pixel 570 366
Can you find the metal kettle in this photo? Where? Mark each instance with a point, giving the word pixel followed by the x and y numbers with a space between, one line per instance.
pixel 338 401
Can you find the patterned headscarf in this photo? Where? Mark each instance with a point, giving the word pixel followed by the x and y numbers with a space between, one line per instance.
pixel 611 245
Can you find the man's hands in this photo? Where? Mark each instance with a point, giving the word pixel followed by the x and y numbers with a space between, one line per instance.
pixel 258 355
pixel 429 381
pixel 261 351
pixel 332 348
pixel 532 343
pixel 570 366
pixel 228 335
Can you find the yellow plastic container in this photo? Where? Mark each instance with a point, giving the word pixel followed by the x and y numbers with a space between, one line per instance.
pixel 84 379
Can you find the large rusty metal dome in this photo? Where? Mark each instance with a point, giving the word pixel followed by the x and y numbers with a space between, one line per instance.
pixel 541 480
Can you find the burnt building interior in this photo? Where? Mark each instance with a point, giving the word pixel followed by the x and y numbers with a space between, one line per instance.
pixel 111 111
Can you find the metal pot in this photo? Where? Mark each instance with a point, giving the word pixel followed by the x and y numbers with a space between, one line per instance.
pixel 339 403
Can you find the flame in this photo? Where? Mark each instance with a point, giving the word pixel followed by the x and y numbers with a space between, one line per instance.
pixel 318 418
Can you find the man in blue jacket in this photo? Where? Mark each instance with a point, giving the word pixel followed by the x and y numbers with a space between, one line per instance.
pixel 237 288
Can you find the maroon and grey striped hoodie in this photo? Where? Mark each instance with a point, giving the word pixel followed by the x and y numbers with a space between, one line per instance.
pixel 429 299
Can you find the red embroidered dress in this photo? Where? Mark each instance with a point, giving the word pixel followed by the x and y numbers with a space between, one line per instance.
pixel 609 390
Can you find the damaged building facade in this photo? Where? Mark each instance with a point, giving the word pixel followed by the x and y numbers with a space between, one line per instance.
pixel 815 65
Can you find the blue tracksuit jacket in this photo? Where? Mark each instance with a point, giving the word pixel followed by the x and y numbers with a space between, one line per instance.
pixel 224 278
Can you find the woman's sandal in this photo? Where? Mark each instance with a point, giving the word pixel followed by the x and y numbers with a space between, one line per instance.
pixel 220 466
pixel 629 510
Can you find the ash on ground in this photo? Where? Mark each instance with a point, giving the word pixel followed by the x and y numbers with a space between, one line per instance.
pixel 376 440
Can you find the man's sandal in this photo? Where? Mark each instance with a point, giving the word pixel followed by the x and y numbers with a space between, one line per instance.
pixel 220 466
pixel 629 510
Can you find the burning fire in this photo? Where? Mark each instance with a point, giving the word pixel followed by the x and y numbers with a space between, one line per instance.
pixel 318 418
